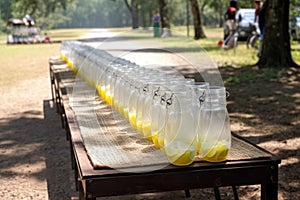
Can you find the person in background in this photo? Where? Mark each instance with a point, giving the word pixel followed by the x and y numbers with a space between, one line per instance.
pixel 156 24
pixel 257 5
pixel 261 24
pixel 230 19
pixel 261 18
pixel 233 3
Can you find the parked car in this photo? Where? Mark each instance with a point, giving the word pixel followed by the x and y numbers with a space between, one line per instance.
pixel 245 22
pixel 295 28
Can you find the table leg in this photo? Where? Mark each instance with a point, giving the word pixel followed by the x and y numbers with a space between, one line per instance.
pixel 217 193
pixel 187 193
pixel 51 82
pixel 269 189
pixel 235 193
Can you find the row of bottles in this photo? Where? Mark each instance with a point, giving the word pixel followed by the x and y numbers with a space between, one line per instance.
pixel 181 117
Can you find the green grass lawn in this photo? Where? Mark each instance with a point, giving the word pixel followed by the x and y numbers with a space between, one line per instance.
pixel 13 58
pixel 241 57
pixel 17 61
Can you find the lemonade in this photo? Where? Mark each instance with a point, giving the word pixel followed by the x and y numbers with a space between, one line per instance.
pixel 155 140
pixel 147 131
pixel 132 120
pixel 161 138
pixel 63 57
pixel 121 110
pixel 70 63
pixel 110 99
pixel 107 98
pixel 102 92
pixel 139 127
pixel 98 90
pixel 116 105
pixel 180 153
pixel 215 153
pixel 125 112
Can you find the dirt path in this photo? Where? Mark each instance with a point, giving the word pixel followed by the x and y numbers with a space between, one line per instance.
pixel 34 157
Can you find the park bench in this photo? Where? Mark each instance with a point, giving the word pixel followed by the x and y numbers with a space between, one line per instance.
pixel 247 163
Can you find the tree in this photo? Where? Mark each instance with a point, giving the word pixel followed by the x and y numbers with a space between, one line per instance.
pixel 6 9
pixel 276 47
pixel 164 14
pixel 38 7
pixel 146 11
pixel 133 8
pixel 199 33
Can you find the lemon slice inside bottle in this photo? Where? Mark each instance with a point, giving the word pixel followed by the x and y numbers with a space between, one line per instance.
pixel 216 153
pixel 180 153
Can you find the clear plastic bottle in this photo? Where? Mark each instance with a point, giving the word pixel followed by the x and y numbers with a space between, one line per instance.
pixel 214 132
pixel 180 138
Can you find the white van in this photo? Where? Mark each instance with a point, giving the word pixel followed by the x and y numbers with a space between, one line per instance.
pixel 245 22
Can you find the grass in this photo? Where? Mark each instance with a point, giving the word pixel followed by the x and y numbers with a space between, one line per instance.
pixel 15 58
pixel 17 61
pixel 67 34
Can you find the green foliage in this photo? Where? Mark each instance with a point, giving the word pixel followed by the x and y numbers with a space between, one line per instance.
pixel 95 14
pixel 248 75
pixel 46 12
pixel 233 79
pixel 294 8
pixel 6 9
pixel 113 13
pixel 270 74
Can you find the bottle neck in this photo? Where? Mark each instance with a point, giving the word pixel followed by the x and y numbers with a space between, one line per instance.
pixel 214 97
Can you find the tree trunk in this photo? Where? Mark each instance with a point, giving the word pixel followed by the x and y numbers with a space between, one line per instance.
pixel 276 47
pixel 221 15
pixel 163 12
pixel 133 9
pixel 199 33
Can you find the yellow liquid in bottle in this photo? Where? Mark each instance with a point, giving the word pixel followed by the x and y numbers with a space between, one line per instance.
pixel 116 106
pixel 147 131
pixel 132 120
pixel 161 138
pixel 155 140
pixel 112 100
pixel 63 57
pixel 98 90
pixel 107 98
pixel 102 92
pixel 180 153
pixel 217 153
pixel 70 63
pixel 121 110
pixel 139 127
pixel 126 113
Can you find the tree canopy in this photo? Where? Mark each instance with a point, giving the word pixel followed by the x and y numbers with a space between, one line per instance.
pixel 112 13
pixel 135 13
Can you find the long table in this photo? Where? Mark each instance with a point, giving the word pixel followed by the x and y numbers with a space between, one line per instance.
pixel 93 182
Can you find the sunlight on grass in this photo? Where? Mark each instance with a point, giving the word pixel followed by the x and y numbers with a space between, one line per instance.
pixel 241 57
pixel 17 60
pixel 3 38
pixel 67 34
pixel 13 58
pixel 295 46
